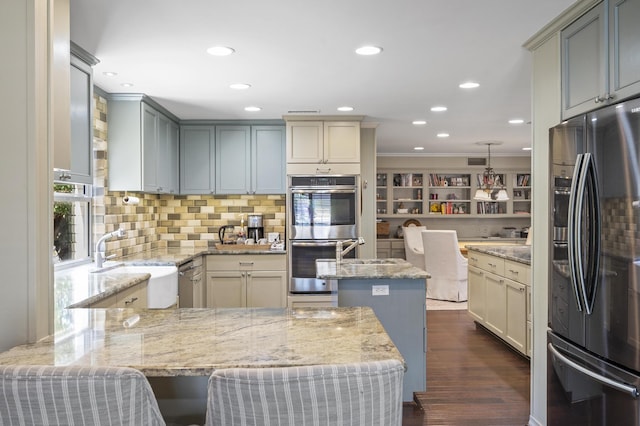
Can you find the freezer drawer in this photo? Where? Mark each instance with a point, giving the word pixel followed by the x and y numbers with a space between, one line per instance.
pixel 586 390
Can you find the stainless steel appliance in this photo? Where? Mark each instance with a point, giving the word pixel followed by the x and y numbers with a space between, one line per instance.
pixel 255 227
pixel 322 210
pixel 594 296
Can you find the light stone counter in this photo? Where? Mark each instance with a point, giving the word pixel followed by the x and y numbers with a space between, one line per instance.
pixel 194 342
pixel 517 253
pixel 394 269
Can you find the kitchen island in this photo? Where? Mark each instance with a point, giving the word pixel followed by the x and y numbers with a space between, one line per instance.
pixel 178 349
pixel 396 290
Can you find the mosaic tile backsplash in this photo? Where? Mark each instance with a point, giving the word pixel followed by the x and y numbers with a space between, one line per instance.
pixel 161 221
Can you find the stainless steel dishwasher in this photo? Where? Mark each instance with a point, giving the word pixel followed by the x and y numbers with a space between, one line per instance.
pixel 190 285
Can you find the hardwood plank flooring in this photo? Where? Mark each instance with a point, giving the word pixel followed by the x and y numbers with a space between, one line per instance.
pixel 472 377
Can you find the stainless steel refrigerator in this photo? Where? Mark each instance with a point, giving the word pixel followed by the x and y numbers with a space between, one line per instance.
pixel 593 348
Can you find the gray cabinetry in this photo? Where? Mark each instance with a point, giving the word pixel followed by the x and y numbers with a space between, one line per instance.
pixel 197 159
pixel 143 145
pixel 232 159
pixel 601 57
pixel 81 120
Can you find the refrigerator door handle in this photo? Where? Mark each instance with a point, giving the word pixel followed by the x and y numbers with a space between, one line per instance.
pixel 632 391
pixel 573 225
pixel 593 254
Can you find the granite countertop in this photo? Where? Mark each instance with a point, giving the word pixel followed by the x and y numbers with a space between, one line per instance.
pixel 368 268
pixel 517 253
pixel 77 287
pixel 194 342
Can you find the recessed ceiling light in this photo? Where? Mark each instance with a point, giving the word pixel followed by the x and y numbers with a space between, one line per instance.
pixel 127 85
pixel 110 73
pixel 443 135
pixel 239 86
pixel 516 121
pixel 418 148
pixel 419 122
pixel 469 85
pixel 526 148
pixel 252 109
pixel 220 51
pixel 438 108
pixel 345 108
pixel 368 50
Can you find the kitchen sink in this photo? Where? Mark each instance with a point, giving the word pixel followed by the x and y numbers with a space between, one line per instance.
pixel 162 289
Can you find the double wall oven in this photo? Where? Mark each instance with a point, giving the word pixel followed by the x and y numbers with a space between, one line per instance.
pixel 322 210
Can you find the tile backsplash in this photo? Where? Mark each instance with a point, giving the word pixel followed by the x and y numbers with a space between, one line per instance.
pixel 161 221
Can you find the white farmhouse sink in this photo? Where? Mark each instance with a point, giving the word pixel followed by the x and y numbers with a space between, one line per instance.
pixel 162 289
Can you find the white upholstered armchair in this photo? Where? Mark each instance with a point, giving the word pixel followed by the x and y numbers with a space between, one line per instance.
pixel 446 265
pixel 367 393
pixel 413 250
pixel 47 395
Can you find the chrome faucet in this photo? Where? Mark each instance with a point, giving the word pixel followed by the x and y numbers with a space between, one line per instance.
pixel 340 252
pixel 101 247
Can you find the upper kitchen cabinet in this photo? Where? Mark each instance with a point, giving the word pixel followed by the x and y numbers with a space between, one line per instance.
pixel 233 157
pixel 77 154
pixel 268 160
pixel 327 145
pixel 143 145
pixel 197 159
pixel 601 57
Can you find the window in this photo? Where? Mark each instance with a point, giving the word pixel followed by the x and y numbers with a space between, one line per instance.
pixel 71 222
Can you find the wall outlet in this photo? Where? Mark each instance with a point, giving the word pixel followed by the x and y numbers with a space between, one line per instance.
pixel 380 290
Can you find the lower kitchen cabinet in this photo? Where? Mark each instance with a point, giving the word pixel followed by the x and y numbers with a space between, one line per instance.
pixel 132 297
pixel 391 248
pixel 235 281
pixel 499 296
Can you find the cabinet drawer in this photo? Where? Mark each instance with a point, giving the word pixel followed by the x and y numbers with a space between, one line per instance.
pixel 262 262
pixel 517 271
pixel 487 262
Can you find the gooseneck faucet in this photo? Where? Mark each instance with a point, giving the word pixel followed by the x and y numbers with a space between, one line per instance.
pixel 101 247
pixel 340 252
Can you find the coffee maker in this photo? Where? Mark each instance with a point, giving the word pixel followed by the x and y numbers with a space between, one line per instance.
pixel 255 229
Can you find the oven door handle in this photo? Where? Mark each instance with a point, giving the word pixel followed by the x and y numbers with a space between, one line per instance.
pixel 322 191
pixel 313 244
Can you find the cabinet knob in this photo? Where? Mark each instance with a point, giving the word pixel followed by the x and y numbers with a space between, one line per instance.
pixel 133 299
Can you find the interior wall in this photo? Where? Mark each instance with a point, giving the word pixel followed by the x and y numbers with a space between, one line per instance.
pixel 368 182
pixel 25 250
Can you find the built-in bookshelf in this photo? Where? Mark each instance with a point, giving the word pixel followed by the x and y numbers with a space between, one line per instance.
pixel 429 193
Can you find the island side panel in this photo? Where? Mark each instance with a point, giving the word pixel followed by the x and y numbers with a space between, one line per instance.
pixel 400 305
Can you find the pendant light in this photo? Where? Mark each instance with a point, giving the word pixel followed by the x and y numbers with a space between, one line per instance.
pixel 490 180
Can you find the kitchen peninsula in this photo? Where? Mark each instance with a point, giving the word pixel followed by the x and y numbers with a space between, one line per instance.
pixel 396 290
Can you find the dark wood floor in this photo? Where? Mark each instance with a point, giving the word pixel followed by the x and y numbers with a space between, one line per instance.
pixel 472 378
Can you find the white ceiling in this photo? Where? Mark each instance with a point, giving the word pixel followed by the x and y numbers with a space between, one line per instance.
pixel 299 55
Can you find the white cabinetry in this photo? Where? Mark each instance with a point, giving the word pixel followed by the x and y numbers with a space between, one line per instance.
pixel 600 56
pixel 235 281
pixel 499 298
pixel 143 145
pixel 330 146
pixel 132 297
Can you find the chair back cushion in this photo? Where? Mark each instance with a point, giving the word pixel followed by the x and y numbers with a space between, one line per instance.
pixel 47 395
pixel 367 393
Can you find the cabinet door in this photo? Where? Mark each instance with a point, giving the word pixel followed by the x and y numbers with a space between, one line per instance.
pixel 226 289
pixel 268 167
pixel 81 91
pixel 199 300
pixel 516 331
pixel 133 297
pixel 496 302
pixel 341 142
pixel 266 289
pixel 305 142
pixel 197 159
pixel 167 155
pixel 624 49
pixel 476 294
pixel 233 157
pixel 149 148
pixel 584 62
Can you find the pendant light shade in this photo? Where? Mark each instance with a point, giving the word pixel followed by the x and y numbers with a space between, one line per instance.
pixel 490 181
